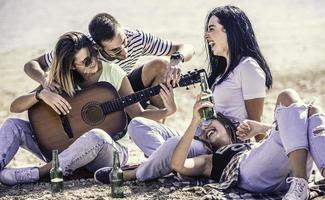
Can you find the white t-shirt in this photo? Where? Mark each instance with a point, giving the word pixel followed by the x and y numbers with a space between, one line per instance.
pixel 246 81
pixel 113 74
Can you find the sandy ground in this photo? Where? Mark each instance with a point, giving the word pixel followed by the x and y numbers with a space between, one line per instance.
pixel 290 34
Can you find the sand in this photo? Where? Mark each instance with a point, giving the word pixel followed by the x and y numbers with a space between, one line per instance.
pixel 290 34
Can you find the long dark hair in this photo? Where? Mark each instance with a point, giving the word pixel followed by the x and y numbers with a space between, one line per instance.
pixel 241 43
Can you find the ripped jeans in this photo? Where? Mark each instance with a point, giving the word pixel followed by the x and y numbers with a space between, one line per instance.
pixel 266 167
pixel 93 149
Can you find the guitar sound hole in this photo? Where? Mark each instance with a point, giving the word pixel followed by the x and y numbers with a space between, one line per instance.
pixel 92 114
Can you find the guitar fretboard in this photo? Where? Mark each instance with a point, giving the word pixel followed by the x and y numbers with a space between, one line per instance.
pixel 144 95
pixel 120 103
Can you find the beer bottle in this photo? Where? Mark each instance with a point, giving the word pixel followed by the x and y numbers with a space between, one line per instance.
pixel 207 112
pixel 56 174
pixel 116 178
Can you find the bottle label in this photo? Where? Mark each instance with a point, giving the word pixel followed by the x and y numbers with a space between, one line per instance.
pixel 56 180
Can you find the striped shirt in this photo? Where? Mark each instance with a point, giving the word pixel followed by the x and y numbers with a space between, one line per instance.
pixel 139 44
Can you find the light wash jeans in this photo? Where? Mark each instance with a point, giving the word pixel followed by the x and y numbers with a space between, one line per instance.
pixel 158 142
pixel 266 167
pixel 93 150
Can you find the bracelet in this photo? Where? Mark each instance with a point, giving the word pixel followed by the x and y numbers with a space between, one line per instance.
pixel 37 93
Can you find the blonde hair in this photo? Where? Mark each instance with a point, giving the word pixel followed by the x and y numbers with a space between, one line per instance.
pixel 62 71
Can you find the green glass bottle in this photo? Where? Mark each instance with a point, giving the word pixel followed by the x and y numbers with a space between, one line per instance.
pixel 56 174
pixel 206 113
pixel 117 178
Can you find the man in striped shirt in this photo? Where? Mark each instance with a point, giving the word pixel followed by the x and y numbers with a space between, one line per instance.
pixel 124 47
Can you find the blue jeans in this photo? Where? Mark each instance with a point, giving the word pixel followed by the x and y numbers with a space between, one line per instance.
pixel 266 167
pixel 158 142
pixel 93 150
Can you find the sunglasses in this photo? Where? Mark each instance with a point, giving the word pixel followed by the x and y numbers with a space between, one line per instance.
pixel 115 52
pixel 93 54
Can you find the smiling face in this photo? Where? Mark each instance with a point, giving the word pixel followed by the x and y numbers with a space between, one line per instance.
pixel 216 37
pixel 215 133
pixel 116 47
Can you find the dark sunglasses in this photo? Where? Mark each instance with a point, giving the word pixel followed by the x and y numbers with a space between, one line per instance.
pixel 116 51
pixel 93 54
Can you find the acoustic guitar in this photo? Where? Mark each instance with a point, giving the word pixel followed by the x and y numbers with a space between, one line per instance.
pixel 97 106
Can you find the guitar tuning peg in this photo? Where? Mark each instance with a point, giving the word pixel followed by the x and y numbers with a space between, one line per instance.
pixel 188 72
pixel 187 88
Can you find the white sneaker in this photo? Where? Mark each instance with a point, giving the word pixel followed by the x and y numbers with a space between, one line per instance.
pixel 13 176
pixel 298 190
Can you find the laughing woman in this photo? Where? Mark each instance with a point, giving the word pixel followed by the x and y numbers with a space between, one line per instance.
pixel 76 65
pixel 279 163
pixel 239 75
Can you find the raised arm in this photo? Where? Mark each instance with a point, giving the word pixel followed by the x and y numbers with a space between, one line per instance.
pixel 38 69
pixel 196 166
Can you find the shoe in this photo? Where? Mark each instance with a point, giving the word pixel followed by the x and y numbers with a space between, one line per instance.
pixel 102 175
pixel 298 190
pixel 14 176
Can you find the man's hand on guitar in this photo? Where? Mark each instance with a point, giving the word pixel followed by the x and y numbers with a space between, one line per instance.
pixel 173 73
pixel 167 96
pixel 58 103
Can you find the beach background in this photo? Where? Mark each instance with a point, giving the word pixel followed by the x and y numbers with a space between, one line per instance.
pixel 291 35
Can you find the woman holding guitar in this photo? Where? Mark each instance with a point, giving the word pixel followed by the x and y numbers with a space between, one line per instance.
pixel 76 65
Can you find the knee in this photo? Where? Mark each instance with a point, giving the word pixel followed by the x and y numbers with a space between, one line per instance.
pixel 97 136
pixel 136 125
pixel 12 124
pixel 314 110
pixel 159 65
pixel 287 97
pixel 171 144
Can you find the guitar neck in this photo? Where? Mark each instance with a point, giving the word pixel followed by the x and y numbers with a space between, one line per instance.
pixel 144 95
pixel 122 102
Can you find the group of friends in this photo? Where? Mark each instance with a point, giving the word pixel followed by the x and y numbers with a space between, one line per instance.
pixel 280 159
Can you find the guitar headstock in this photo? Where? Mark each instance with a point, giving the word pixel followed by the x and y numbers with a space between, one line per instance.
pixel 190 78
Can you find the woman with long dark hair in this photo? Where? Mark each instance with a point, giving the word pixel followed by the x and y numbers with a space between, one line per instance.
pixel 238 72
pixel 278 164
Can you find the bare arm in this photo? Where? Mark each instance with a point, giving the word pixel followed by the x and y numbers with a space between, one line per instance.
pixel 200 165
pixel 54 100
pixel 23 103
pixel 37 69
pixel 249 128
pixel 254 109
pixel 136 109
